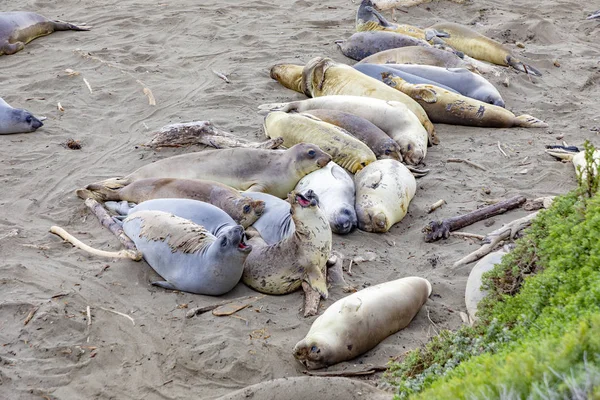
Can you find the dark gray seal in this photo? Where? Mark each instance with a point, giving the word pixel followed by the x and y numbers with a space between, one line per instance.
pixel 364 44
pixel 16 120
pixel 275 223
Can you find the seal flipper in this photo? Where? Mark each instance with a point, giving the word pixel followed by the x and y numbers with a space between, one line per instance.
pixel 65 26
pixel 527 121
pixel 519 66
pixel 432 34
pixel 165 285
pixel 120 207
pixel 594 15
pixel 264 109
pixel 563 153
pixel 11 48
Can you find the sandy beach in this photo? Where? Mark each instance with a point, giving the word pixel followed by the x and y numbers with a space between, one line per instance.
pixel 173 48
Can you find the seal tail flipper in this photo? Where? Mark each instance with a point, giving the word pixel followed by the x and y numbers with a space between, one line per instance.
pixel 65 26
pixel 594 15
pixel 264 109
pixel 130 254
pixel 519 66
pixel 417 173
pixel 527 121
pixel 565 153
pixel 317 281
pixel 120 207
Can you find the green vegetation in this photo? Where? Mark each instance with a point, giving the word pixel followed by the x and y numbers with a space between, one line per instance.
pixel 538 333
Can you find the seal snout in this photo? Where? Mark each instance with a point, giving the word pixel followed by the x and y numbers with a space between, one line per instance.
pixel 238 236
pixel 344 221
pixel 35 123
pixel 308 199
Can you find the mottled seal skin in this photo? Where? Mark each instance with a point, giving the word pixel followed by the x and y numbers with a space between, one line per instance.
pixel 377 70
pixel 417 55
pixel 355 324
pixel 392 117
pixel 346 150
pixel 186 255
pixel 16 120
pixel 275 223
pixel 244 211
pixel 383 192
pixel 256 170
pixel 364 44
pixel 455 109
pixel 458 80
pixel 473 292
pixel 282 267
pixel 481 47
pixel 19 28
pixel 377 140
pixel 335 189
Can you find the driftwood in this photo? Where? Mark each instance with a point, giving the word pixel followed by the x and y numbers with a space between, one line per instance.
pixel 437 230
pixel 538 204
pixel 201 310
pixel 234 306
pixel 335 272
pixel 471 163
pixel 205 133
pixel 346 374
pixel 311 300
pixel 130 254
pixel 436 205
pixel 507 231
pixel 107 221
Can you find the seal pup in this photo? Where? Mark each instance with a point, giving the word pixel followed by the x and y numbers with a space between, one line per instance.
pixel 458 80
pixel 282 267
pixel 275 223
pixel 364 44
pixel 16 120
pixel 377 140
pixel 451 108
pixel 481 47
pixel 186 255
pixel 256 170
pixel 335 189
pixel 346 150
pixel 473 292
pixel 18 28
pixel 355 324
pixel 376 71
pixel 244 211
pixel 384 190
pixel 324 77
pixel 417 55
pixel 392 117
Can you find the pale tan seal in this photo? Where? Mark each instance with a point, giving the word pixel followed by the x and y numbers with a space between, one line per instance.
pixel 282 267
pixel 244 211
pixel 357 323
pixel 257 170
pixel 473 292
pixel 19 28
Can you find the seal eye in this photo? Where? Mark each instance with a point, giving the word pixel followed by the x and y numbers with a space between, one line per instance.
pixel 246 209
pixel 28 119
pixel 409 147
pixel 311 153
pixel 313 349
pixel 387 151
pixel 224 242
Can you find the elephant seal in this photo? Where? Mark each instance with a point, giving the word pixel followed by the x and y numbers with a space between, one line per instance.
pixel 481 47
pixel 186 255
pixel 575 156
pixel 459 80
pixel 19 28
pixel 282 267
pixel 392 117
pixel 335 189
pixel 364 44
pixel 594 15
pixel 452 108
pixel 376 71
pixel 417 55
pixel 346 150
pixel 256 170
pixel 383 192
pixel 16 120
pixel 275 223
pixel 473 292
pixel 355 324
pixel 377 140
pixel 244 211
pixel 324 77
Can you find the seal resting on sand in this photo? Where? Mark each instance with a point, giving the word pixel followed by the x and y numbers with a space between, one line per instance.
pixel 16 120
pixel 473 292
pixel 417 55
pixel 19 28
pixel 383 192
pixel 363 44
pixel 186 255
pixel 282 267
pixel 357 323
pixel 335 190
pixel 256 170
pixel 243 211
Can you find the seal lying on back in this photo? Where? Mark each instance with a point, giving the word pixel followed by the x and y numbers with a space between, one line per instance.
pixel 275 223
pixel 392 117
pixel 377 140
pixel 452 108
pixel 383 192
pixel 355 324
pixel 364 44
pixel 186 255
pixel 324 77
pixel 243 211
pixel 335 189
pixel 417 55
pixel 480 47
pixel 280 268
pixel 257 170
pixel 16 120
pixel 346 150
pixel 19 28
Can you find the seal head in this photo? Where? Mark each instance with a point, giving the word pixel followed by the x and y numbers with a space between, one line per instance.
pixel 309 157
pixel 17 120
